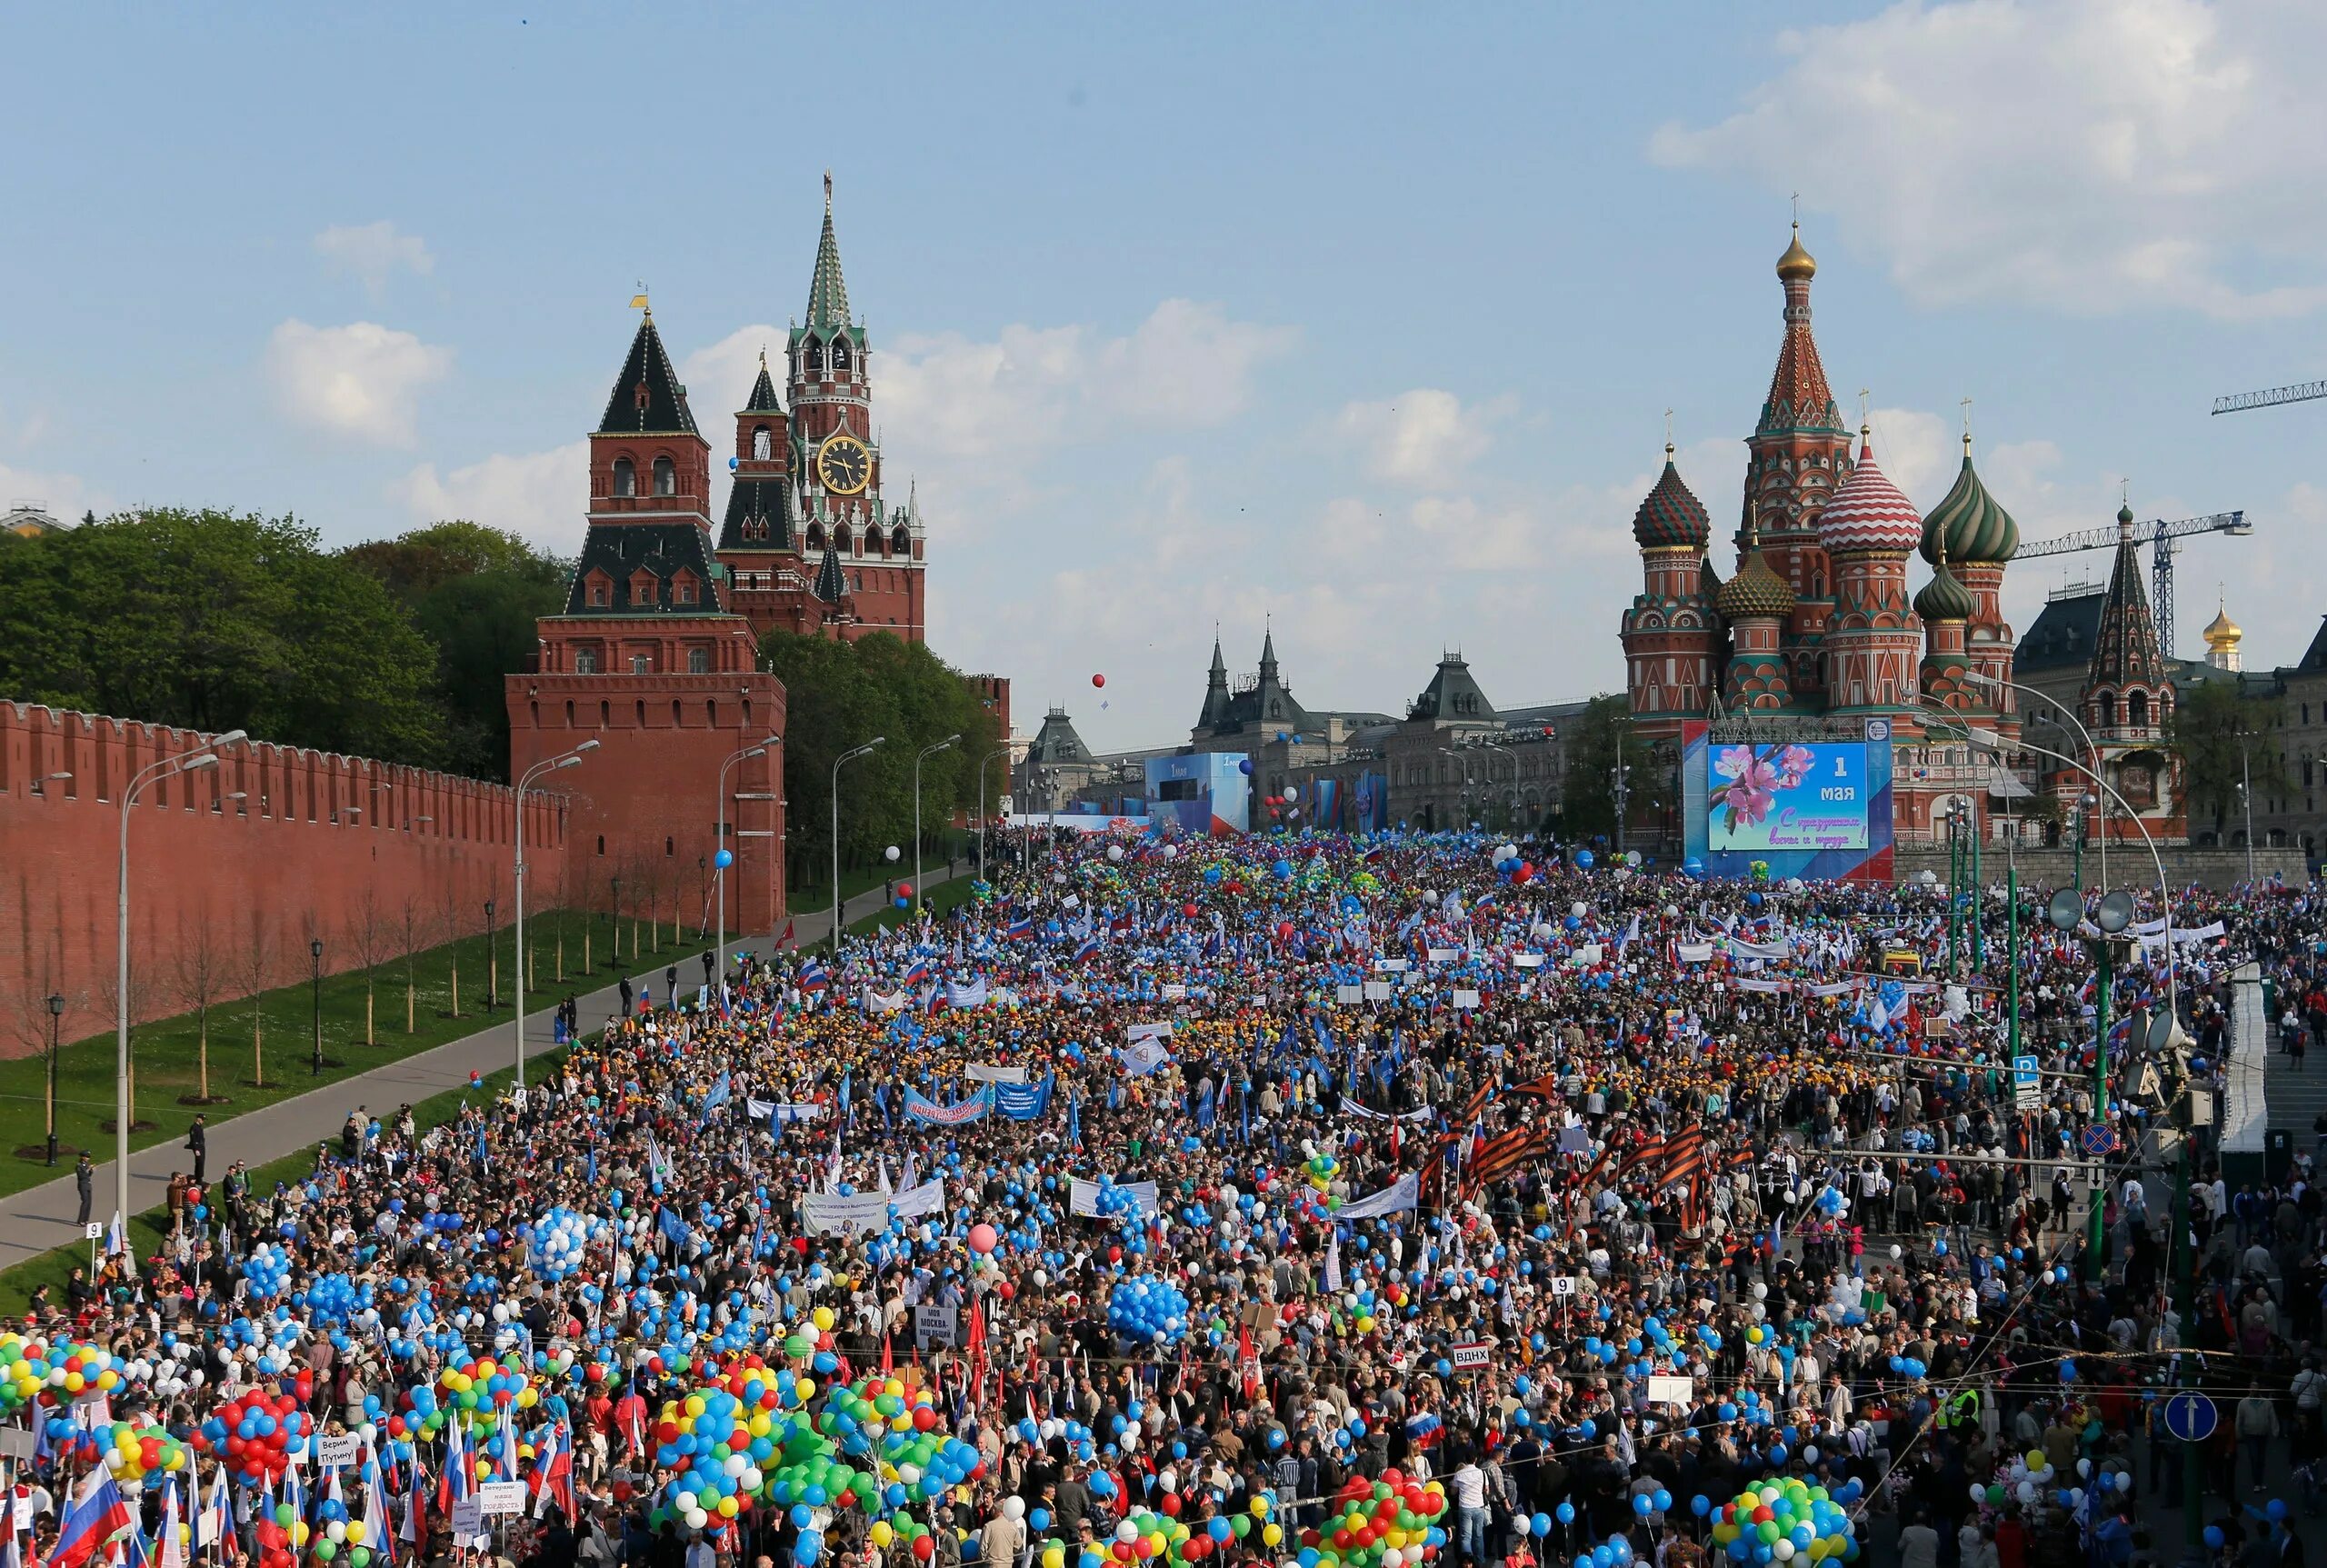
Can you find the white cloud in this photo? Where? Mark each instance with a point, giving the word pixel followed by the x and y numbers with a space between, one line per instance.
pixel 2082 155
pixel 1187 366
pixel 372 253
pixel 362 380
pixel 1421 437
pixel 541 496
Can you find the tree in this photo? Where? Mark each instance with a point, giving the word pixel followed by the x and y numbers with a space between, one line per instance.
pixel 1597 738
pixel 2225 740
pixel 253 969
pixel 410 932
pixel 475 593
pixel 369 935
pixel 216 621
pixel 202 982
pixel 841 695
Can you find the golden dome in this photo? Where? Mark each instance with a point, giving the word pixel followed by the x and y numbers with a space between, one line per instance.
pixel 1797 263
pixel 2222 633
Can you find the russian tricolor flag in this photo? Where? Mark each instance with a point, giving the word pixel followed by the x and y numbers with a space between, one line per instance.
pixel 96 1518
pixel 814 977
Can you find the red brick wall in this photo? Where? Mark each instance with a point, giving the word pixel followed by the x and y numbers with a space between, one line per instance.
pixel 317 837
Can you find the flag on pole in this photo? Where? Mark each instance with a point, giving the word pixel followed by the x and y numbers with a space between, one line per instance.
pixel 95 1517
pixel 172 1551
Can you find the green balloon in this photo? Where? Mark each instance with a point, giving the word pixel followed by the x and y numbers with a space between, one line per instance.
pixel 326 1549
pixel 360 1556
pixel 284 1514
pixel 1241 1524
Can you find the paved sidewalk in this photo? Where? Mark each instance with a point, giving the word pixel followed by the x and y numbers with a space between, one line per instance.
pixel 46 1217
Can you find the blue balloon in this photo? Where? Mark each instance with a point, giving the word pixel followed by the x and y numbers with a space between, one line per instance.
pixel 724 859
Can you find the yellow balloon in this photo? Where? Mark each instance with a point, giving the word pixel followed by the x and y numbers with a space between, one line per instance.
pixel 822 1318
pixel 356 1530
pixel 1271 1535
pixel 806 1387
pixel 1054 1557
pixel 1260 1508
pixel 695 1404
pixel 528 1397
pixel 727 1508
pixel 298 1532
pixel 881 1533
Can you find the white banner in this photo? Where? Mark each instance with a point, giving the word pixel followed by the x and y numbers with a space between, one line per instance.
pixel 1352 1108
pixel 1392 966
pixel 887 1001
pixel 825 1212
pixel 1528 960
pixel 1466 999
pixel 1345 995
pixel 1404 1193
pixel 1444 955
pixel 935 1325
pixel 1144 1058
pixel 1082 1197
pixel 782 1112
pixel 994 1072
pixel 1585 956
pixel 1135 1032
pixel 1692 951
pixel 1377 991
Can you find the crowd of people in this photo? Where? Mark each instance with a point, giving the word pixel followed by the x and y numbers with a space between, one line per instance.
pixel 1305 1200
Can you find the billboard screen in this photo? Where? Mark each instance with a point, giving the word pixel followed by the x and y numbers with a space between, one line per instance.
pixel 1786 795
pixel 1203 793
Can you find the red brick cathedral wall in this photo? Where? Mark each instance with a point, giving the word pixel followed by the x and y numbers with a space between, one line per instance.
pixel 317 839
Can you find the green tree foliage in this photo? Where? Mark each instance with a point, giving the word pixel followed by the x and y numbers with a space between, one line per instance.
pixel 1596 738
pixel 2225 738
pixel 842 695
pixel 216 621
pixel 475 593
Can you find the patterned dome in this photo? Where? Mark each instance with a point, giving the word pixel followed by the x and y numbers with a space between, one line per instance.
pixel 1756 590
pixel 1974 526
pixel 1671 518
pixel 1868 516
pixel 1944 598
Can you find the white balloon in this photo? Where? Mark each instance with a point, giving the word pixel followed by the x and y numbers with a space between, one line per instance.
pixel 1013 1508
pixel 890 853
pixel 1126 1533
pixel 1577 908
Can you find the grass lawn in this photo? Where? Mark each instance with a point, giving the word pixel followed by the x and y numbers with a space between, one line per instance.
pixel 941 901
pixel 148 1230
pixel 410 1008
pixel 817 896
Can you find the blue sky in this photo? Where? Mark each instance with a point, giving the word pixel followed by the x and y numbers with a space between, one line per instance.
pixel 1365 319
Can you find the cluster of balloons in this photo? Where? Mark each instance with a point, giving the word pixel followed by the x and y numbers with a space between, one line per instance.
pixel 134 1453
pixel 255 1434
pixel 1385 1524
pixel 343 1532
pixel 556 1243
pixel 30 1366
pixel 1778 1521
pixel 478 1390
pixel 1148 1310
pixel 1162 1537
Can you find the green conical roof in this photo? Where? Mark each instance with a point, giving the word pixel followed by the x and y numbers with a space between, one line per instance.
pixel 1670 517
pixel 1970 523
pixel 828 293
pixel 1756 590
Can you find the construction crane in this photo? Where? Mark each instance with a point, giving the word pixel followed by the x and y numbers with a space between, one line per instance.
pixel 2161 537
pixel 2239 402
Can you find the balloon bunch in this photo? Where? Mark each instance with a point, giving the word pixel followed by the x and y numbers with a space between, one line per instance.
pixel 1778 1523
pixel 255 1433
pixel 481 1389
pixel 133 1452
pixel 29 1366
pixel 267 1270
pixel 1385 1524
pixel 1148 1310
pixel 280 1535
pixel 557 1240
pixel 343 1532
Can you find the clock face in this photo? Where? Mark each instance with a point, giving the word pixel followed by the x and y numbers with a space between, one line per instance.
pixel 844 464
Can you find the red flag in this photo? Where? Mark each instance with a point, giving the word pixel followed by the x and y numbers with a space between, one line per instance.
pixel 1249 1363
pixel 888 1359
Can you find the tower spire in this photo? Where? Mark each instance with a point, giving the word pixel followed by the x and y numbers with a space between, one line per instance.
pixel 827 293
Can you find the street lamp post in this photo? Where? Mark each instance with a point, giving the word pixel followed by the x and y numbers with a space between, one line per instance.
pixel 984 825
pixel 919 898
pixel 55 1025
pixel 492 962
pixel 207 757
pixel 315 993
pixel 2091 748
pixel 865 750
pixel 2246 799
pixel 524 781
pixel 613 886
pixel 723 856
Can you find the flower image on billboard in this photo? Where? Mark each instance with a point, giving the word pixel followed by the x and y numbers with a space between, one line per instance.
pixel 1787 795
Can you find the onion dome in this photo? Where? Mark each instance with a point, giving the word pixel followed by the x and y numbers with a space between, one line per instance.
pixel 1968 524
pixel 1708 580
pixel 1756 590
pixel 1868 516
pixel 2222 632
pixel 1797 263
pixel 1671 518
pixel 1945 598
pixel 2125 516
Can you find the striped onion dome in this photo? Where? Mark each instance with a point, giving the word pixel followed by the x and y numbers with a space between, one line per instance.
pixel 1945 598
pixel 1970 523
pixel 1868 516
pixel 1670 517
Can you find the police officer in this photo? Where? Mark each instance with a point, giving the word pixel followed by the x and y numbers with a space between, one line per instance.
pixel 85 1177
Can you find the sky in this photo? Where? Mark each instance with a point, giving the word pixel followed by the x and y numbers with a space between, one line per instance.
pixel 1357 322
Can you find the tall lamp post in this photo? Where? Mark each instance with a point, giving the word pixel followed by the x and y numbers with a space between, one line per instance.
pixel 848 756
pixel 55 1025
pixel 930 751
pixel 722 857
pixel 315 993
pixel 2091 749
pixel 492 962
pixel 984 825
pixel 525 782
pixel 2246 800
pixel 168 767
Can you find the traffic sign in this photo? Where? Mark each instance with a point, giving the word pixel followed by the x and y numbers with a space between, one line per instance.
pixel 2192 1417
pixel 2098 1140
pixel 2027 1082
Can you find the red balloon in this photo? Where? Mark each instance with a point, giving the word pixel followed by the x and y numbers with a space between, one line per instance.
pixel 1098 680
pixel 904 890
